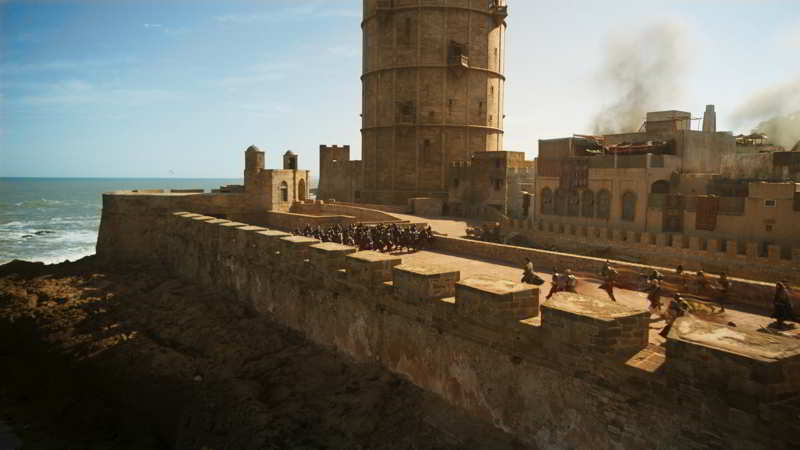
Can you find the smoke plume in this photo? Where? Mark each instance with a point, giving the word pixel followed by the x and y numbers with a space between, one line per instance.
pixel 643 70
pixel 778 110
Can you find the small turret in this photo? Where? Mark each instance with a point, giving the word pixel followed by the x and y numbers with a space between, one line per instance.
pixel 289 160
pixel 253 164
pixel 710 120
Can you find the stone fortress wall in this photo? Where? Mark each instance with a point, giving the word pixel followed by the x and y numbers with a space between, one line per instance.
pixel 738 258
pixel 579 374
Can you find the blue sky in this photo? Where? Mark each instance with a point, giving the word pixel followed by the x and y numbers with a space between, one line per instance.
pixel 180 88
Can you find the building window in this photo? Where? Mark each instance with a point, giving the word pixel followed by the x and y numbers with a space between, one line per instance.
pixel 603 203
pixel 284 191
pixel 560 203
pixel 573 203
pixel 498 184
pixel 587 203
pixel 770 203
pixel 629 206
pixel 547 201
pixel 455 182
pixel 497 163
pixel 769 227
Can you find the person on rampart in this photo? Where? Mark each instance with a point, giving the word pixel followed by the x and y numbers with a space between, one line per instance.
pixel 609 275
pixel 702 283
pixel 677 308
pixel 556 283
pixel 654 290
pixel 782 305
pixel 529 276
pixel 570 282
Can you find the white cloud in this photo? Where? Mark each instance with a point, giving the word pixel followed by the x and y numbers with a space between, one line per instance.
pixel 299 11
pixel 64 65
pixel 153 25
pixel 78 93
pixel 257 74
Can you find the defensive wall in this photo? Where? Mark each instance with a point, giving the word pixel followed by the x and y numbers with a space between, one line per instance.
pixel 744 259
pixel 572 373
pixel 131 218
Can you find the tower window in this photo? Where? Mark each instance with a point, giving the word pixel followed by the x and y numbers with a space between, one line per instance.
pixel 491 90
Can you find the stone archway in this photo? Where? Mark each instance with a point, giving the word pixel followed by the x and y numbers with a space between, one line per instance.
pixel 301 190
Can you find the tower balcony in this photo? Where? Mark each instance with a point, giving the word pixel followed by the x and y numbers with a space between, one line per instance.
pixel 499 10
pixel 461 61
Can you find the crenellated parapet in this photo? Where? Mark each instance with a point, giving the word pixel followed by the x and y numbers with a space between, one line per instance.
pixel 487 346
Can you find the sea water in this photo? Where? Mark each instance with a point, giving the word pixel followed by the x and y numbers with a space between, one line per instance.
pixel 56 219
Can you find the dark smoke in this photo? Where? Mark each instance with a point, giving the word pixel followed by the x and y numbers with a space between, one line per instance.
pixel 778 109
pixel 644 69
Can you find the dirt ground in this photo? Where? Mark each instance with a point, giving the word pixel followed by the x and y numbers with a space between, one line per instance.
pixel 98 357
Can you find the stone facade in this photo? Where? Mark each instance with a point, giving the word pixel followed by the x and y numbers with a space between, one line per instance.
pixel 669 179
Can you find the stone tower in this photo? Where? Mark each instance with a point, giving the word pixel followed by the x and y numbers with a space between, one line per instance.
pixel 432 92
pixel 253 165
pixel 290 160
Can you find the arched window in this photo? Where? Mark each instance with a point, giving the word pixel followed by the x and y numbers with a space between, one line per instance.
pixel 629 206
pixel 301 190
pixel 587 203
pixel 547 201
pixel 284 188
pixel 560 203
pixel 603 203
pixel 660 187
pixel 573 204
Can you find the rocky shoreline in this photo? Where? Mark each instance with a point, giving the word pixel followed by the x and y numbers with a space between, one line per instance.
pixel 126 357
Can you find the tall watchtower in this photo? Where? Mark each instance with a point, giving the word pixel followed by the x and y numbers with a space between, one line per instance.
pixel 432 91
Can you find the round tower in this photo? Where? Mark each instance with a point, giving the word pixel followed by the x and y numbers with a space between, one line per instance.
pixel 432 91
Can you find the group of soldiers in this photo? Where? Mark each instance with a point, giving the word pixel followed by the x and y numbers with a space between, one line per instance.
pixel 682 299
pixel 381 237
pixel 488 232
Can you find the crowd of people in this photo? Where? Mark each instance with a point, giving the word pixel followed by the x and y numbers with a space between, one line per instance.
pixel 381 237
pixel 699 291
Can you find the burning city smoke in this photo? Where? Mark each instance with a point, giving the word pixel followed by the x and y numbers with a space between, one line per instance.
pixel 644 70
pixel 778 110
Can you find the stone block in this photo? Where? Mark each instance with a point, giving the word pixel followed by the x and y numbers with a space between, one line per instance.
pixel 268 243
pixel 618 235
pixel 415 283
pixel 602 233
pixel 246 241
pixel 295 252
pixel 489 299
pixel 591 232
pixel 368 270
pixel 327 258
pixel 738 361
pixel 663 240
pixel 796 255
pixel 774 252
pixel 714 245
pixel 678 242
pixel 732 248
pixel 594 325
pixel 752 250
pixel 694 243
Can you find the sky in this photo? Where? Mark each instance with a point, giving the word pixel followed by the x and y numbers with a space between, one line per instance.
pixel 179 88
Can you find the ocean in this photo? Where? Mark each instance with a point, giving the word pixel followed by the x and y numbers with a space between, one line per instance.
pixel 56 219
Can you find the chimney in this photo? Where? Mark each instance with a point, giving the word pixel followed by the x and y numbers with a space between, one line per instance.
pixel 710 120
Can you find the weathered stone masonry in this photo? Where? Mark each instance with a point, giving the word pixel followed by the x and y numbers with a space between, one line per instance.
pixel 570 378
